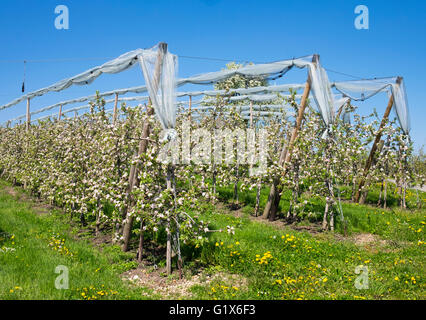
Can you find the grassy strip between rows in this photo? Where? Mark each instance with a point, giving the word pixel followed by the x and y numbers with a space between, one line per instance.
pixel 287 264
pixel 32 246
pixel 269 262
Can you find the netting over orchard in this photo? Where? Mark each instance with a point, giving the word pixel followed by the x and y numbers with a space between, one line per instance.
pixel 329 97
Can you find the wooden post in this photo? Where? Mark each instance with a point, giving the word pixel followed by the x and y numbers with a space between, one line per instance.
pixel 143 144
pixel 114 116
pixel 28 115
pixel 299 119
pixel 60 112
pixel 286 152
pixel 374 147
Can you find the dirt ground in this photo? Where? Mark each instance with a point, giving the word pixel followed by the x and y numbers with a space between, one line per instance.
pixel 38 206
pixel 172 287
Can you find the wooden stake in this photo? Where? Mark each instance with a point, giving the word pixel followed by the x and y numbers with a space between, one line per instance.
pixel 374 147
pixel 385 195
pixel 28 115
pixel 299 119
pixel 140 248
pixel 143 144
pixel 60 112
pixel 114 117
pixel 286 152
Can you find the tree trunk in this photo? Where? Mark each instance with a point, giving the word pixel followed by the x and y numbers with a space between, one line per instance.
pixel 237 173
pixel 354 183
pixel 366 179
pixel 271 197
pixel 169 250
pixel 385 194
pixel 140 248
pixel 419 203
pixel 296 190
pixel 404 190
pixel 275 204
pixel 324 219
pixel 380 195
pixel 98 219
pixel 214 173
pixel 258 189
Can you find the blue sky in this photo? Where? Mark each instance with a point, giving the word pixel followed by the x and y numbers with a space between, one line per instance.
pixel 259 31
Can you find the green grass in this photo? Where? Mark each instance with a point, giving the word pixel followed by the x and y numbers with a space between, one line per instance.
pixel 299 265
pixel 259 261
pixel 30 253
pixel 303 266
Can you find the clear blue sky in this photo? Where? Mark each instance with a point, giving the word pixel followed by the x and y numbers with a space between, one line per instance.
pixel 248 30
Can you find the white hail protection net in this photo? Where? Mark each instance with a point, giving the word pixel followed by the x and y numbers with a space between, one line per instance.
pixel 360 90
pixel 321 90
pixel 322 94
pixel 401 105
pixel 159 68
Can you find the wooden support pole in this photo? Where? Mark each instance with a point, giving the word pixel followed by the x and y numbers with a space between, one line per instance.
pixel 298 125
pixel 143 144
pixel 60 112
pixel 286 152
pixel 114 116
pixel 28 115
pixel 374 147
